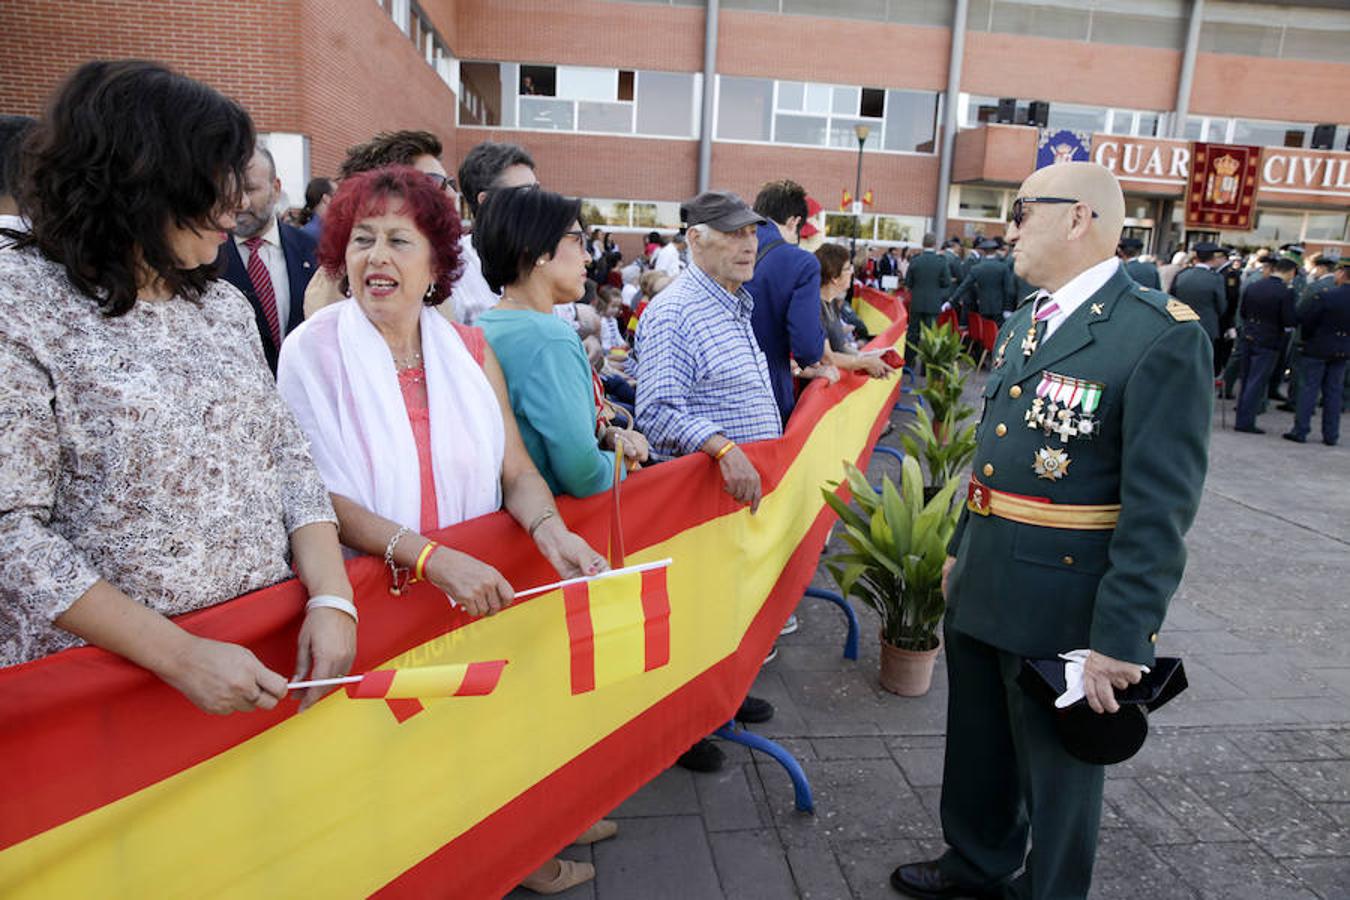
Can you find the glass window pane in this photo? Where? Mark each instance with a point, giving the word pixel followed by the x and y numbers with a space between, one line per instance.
pixel 978 109
pixel 1244 40
pixel 839 9
pixel 665 103
pixel 1195 128
pixel 911 120
pixel 842 134
pixel 480 94
pixel 873 103
pixel 791 95
pixel 845 101
pixel 1077 118
pixel 605 212
pixel 1041 21
pixel 546 113
pixel 980 203
pixel 1138 31
pixel 818 98
pixel 791 129
pixel 1271 134
pixel 538 81
pixel 923 12
pixel 1276 226
pixel 1324 45
pixel 614 118
pixel 743 112
pixel 1325 227
pixel 656 215
pixel 1149 124
pixel 900 228
pixel 842 224
pixel 585 83
pixel 1120 121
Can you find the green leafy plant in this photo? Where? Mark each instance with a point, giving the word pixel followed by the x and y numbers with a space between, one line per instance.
pixel 897 545
pixel 945 446
pixel 943 391
pixel 940 347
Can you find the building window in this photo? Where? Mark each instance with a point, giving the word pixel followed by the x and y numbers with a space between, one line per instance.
pixel 1272 134
pixel 1070 117
pixel 978 203
pixel 578 98
pixel 876 228
pixel 823 115
pixel 1323 226
pixel 636 215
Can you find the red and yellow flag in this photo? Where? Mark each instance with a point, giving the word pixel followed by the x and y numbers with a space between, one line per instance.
pixel 618 627
pixel 475 679
pixel 846 201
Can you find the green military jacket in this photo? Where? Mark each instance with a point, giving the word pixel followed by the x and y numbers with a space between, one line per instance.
pixel 1203 290
pixel 1146 273
pixel 929 281
pixel 992 281
pixel 1137 369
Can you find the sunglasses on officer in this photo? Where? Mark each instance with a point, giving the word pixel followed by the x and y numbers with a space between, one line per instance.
pixel 1019 213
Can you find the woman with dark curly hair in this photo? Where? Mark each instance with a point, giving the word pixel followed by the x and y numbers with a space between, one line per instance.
pixel 407 414
pixel 147 467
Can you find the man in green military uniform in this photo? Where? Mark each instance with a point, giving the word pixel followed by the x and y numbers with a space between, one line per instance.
pixel 1146 273
pixel 1092 452
pixel 991 282
pixel 1202 288
pixel 929 281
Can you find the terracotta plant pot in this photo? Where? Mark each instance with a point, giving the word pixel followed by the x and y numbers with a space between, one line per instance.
pixel 908 673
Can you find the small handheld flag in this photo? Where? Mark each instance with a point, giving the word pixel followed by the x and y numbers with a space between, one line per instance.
pixel 475 679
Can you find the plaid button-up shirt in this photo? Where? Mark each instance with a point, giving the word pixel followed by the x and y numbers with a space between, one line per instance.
pixel 702 370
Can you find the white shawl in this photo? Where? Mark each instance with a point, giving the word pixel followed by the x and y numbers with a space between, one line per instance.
pixel 338 377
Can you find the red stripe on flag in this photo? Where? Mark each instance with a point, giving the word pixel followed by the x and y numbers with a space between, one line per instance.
pixel 481 678
pixel 404 708
pixel 372 685
pixel 655 618
pixel 577 601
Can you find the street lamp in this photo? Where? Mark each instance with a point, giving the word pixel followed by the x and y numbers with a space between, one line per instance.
pixel 861 131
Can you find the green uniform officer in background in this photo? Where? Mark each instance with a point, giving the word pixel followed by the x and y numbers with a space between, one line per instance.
pixel 1092 452
pixel 929 281
pixel 1146 273
pixel 991 282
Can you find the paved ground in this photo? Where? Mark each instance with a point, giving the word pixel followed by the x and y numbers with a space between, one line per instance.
pixel 1242 791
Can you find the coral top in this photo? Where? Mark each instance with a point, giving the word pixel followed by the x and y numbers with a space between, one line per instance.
pixel 413 384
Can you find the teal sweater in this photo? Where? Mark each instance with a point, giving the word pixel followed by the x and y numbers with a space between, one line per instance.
pixel 549 382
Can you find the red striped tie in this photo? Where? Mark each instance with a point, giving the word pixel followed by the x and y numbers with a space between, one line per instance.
pixel 262 286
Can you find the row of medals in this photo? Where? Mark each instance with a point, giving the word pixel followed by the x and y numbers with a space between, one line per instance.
pixel 1052 417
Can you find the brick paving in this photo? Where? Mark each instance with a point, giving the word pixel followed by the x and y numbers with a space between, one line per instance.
pixel 1242 791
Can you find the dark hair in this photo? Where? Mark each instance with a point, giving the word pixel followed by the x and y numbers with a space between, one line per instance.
pixel 930 239
pixel 1323 260
pixel 315 191
pixel 781 200
pixel 12 132
pixel 833 258
pixel 1285 264
pixel 1205 255
pixel 389 148
pixel 368 194
pixel 124 150
pixel 607 294
pixel 516 226
pixel 484 164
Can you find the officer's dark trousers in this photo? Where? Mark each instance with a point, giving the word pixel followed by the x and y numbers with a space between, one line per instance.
pixel 912 336
pixel 1007 777
pixel 1257 364
pixel 1325 376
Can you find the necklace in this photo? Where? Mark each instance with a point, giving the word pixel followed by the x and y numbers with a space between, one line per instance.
pixel 407 362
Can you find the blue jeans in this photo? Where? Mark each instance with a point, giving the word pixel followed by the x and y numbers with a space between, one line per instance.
pixel 1256 365
pixel 1325 376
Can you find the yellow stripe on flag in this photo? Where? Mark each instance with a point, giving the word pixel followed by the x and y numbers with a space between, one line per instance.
pixel 875 320
pixel 427 681
pixel 616 620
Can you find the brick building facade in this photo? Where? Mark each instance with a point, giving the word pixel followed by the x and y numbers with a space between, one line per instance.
pixel 329 73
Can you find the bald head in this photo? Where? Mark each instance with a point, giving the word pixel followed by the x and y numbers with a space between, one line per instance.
pixel 1058 240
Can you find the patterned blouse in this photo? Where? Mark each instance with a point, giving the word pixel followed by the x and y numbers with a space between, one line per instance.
pixel 150 450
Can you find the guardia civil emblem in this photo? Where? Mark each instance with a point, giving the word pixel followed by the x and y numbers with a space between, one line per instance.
pixel 1051 463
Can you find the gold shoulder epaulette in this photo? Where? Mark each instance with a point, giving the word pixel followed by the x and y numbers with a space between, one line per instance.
pixel 1181 312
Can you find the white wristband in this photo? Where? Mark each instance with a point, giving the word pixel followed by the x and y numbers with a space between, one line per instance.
pixel 332 601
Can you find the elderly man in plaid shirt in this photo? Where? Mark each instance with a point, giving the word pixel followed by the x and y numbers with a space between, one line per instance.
pixel 704 385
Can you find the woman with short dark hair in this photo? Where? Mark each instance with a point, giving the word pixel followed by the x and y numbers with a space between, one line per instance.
pixel 147 466
pixel 532 246
pixel 841 350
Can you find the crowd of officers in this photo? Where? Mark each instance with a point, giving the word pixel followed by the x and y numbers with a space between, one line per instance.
pixel 1280 322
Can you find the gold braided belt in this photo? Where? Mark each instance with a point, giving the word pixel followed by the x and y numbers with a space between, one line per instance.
pixel 985 501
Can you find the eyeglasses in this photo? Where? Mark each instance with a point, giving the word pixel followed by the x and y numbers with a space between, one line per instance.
pixel 442 181
pixel 1018 213
pixel 578 234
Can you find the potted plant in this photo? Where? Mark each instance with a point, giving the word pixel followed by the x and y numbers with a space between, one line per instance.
pixel 946 447
pixel 897 545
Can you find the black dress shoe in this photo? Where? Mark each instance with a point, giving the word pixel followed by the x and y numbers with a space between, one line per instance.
pixel 1290 436
pixel 1250 429
pixel 753 711
pixel 1287 407
pixel 705 756
pixel 1328 443
pixel 926 881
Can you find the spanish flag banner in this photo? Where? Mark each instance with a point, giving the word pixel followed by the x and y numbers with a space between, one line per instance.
pixel 113 784
pixel 618 627
pixel 877 309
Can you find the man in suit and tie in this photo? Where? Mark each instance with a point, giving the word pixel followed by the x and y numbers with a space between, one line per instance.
pixel 267 260
pixel 929 279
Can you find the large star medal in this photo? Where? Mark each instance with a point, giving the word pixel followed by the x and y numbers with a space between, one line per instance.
pixel 1051 464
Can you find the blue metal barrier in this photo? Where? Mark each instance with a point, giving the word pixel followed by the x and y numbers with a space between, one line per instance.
pixel 801 787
